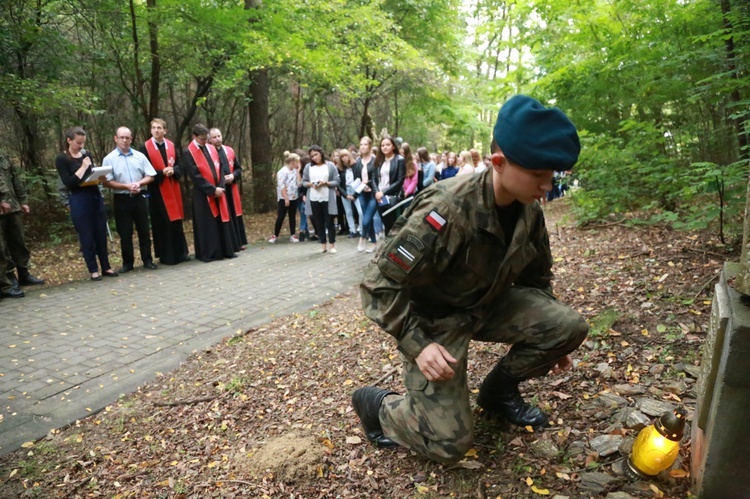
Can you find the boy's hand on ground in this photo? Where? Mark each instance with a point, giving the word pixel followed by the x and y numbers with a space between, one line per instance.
pixel 433 362
pixel 564 364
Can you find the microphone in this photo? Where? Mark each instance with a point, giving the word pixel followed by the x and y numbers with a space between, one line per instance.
pixel 83 153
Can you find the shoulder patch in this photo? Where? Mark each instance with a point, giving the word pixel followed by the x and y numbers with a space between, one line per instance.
pixel 415 241
pixel 401 257
pixel 436 220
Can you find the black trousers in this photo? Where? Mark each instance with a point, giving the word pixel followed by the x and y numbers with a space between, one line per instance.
pixel 322 221
pixel 281 214
pixel 90 220
pixel 129 211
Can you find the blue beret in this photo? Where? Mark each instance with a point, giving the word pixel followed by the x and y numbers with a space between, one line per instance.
pixel 535 137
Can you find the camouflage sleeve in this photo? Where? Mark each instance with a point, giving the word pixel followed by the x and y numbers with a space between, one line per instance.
pixel 416 255
pixel 538 272
pixel 19 186
pixel 4 186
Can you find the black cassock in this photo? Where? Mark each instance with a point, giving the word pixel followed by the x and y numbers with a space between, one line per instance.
pixel 238 225
pixel 214 239
pixel 170 245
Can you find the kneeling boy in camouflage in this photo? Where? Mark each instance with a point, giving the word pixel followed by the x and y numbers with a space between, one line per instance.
pixel 470 260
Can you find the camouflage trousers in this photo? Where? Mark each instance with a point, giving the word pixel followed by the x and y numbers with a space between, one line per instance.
pixel 435 418
pixel 16 251
pixel 5 283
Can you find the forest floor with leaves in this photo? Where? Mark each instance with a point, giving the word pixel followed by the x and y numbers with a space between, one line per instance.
pixel 268 413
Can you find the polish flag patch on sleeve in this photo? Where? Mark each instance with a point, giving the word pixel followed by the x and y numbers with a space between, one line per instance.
pixel 435 220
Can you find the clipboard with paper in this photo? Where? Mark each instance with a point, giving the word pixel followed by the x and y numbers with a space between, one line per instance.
pixel 97 173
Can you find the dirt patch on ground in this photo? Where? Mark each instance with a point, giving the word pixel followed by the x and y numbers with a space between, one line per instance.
pixel 288 458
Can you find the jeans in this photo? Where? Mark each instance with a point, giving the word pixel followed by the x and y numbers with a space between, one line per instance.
pixel 302 216
pixel 358 206
pixel 369 210
pixel 349 214
pixel 377 220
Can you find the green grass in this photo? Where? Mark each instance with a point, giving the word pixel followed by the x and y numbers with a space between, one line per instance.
pixel 603 322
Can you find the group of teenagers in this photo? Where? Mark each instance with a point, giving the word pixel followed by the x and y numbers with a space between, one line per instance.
pixel 364 189
pixel 145 184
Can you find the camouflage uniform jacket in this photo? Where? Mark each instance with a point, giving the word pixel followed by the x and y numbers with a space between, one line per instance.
pixel 12 187
pixel 449 261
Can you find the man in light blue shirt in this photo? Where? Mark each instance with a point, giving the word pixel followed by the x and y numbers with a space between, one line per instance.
pixel 131 172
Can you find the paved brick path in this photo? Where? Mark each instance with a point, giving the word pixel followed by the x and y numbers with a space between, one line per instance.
pixel 68 351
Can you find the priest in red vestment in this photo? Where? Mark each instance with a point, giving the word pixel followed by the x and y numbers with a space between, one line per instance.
pixel 230 168
pixel 165 202
pixel 212 230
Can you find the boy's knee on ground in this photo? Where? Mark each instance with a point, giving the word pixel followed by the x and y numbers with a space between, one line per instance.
pixel 450 450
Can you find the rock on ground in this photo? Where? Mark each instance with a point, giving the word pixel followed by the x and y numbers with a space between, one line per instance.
pixel 606 445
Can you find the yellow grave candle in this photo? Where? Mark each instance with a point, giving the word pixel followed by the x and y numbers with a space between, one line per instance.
pixel 657 446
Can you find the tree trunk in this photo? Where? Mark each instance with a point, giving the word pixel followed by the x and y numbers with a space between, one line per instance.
pixel 153 36
pixel 264 190
pixel 31 151
pixel 734 95
pixel 365 124
pixel 297 93
pixel 264 193
pixel 395 109
pixel 139 82
pixel 31 140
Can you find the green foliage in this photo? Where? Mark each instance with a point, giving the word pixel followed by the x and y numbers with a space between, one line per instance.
pixel 603 322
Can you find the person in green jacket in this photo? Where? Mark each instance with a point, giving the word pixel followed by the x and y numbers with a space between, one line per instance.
pixel 14 253
pixel 470 260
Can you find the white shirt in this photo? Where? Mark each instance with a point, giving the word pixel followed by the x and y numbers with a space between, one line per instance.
pixel 318 173
pixel 128 168
pixel 385 175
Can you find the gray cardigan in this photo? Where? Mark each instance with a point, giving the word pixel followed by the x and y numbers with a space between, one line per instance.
pixel 333 182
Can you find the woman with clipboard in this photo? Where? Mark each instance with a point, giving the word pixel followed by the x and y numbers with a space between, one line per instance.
pixel 75 168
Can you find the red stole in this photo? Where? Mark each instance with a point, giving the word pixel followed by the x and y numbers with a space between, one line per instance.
pixel 235 190
pixel 217 205
pixel 170 187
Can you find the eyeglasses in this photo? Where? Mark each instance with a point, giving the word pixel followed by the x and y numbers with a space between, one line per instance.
pixel 125 138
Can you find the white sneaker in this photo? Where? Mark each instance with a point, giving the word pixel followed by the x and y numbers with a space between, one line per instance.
pixel 332 250
pixel 272 239
pixel 294 239
pixel 371 248
pixel 361 245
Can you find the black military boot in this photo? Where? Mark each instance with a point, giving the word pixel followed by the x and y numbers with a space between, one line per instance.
pixel 12 292
pixel 499 396
pixel 366 402
pixel 26 279
pixel 12 278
